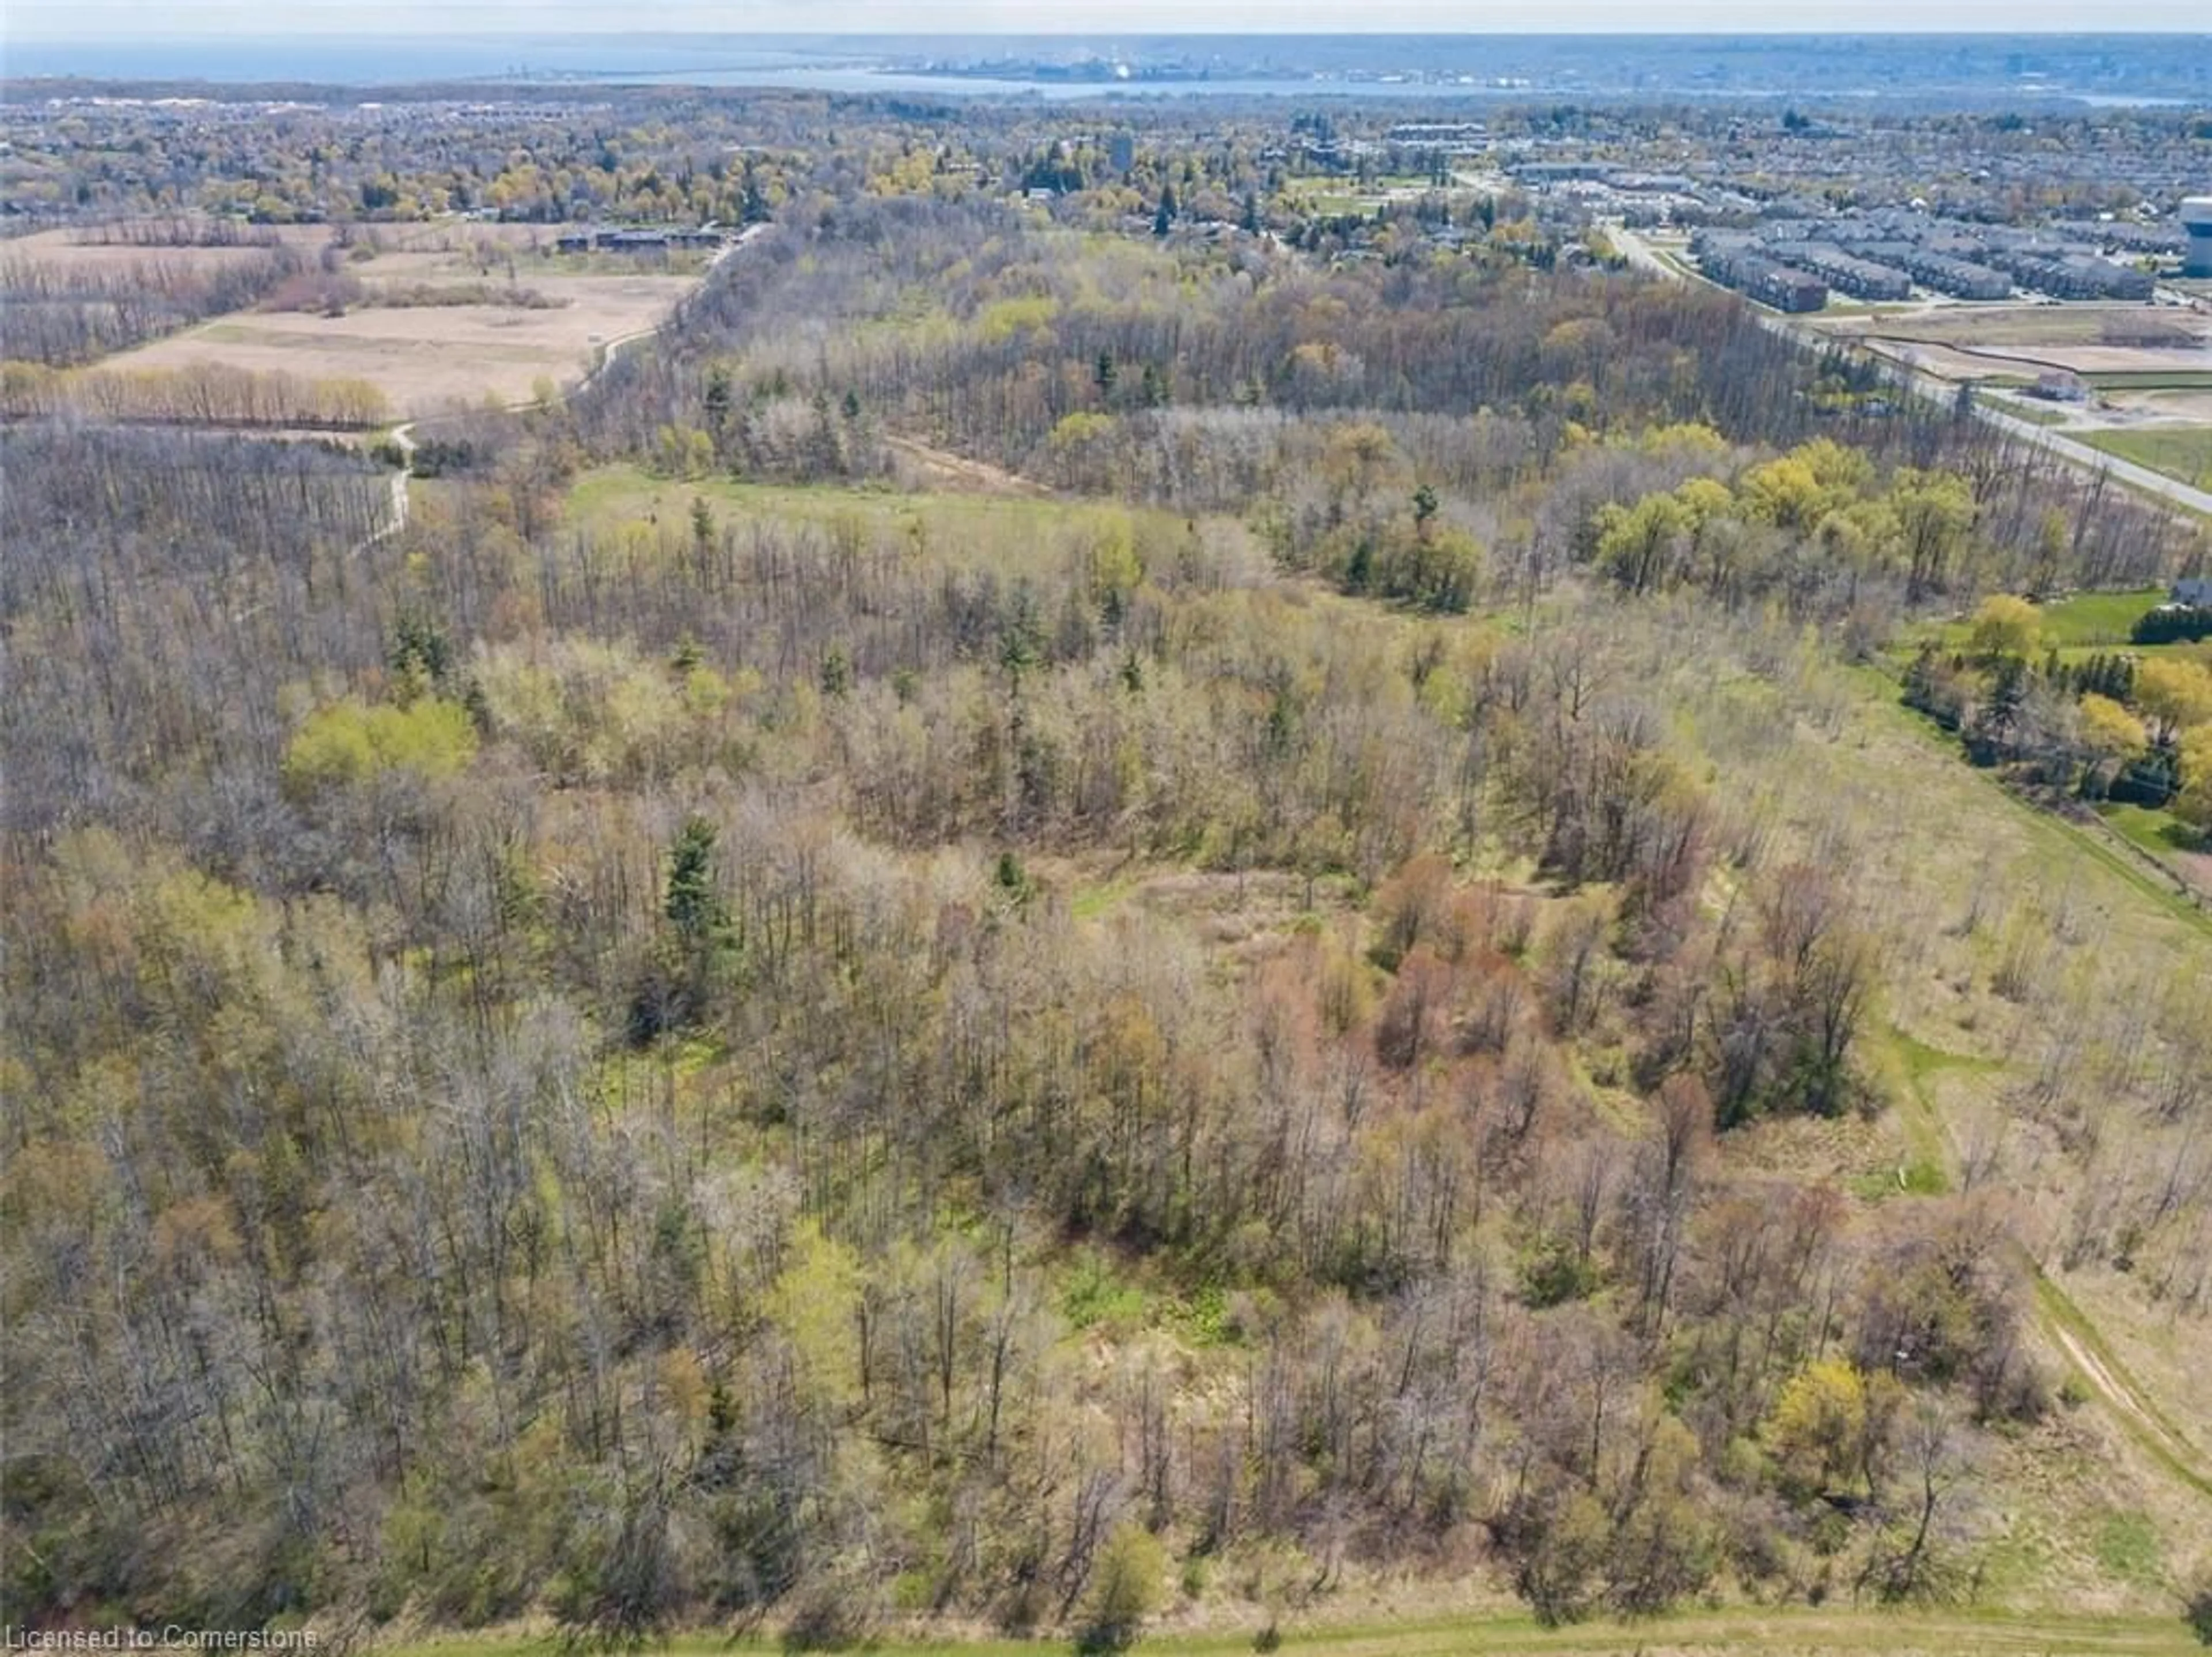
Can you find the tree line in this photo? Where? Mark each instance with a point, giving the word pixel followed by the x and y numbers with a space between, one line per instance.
pixel 207 393
pixel 63 316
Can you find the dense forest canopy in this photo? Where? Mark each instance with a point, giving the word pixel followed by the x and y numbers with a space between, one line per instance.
pixel 1308 975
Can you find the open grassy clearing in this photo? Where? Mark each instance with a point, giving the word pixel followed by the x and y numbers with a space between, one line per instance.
pixel 2177 379
pixel 2159 832
pixel 924 468
pixel 2083 623
pixel 2096 618
pixel 424 359
pixel 2138 1410
pixel 2180 452
pixel 1916 1067
pixel 2083 1525
pixel 614 496
pixel 2170 845
pixel 2097 848
pixel 967 526
pixel 1336 197
pixel 1336 203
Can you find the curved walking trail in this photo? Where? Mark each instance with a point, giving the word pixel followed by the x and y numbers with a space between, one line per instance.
pixel 402 439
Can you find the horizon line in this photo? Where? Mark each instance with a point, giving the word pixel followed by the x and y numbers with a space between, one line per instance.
pixel 1777 31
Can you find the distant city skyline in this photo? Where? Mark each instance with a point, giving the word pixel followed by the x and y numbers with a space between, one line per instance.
pixel 215 19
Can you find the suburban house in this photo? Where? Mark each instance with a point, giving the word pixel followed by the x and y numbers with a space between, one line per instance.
pixel 2060 385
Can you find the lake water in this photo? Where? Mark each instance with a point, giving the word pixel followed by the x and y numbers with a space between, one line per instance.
pixel 1971 71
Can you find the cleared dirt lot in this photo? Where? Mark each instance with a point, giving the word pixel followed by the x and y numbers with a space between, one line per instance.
pixel 2110 359
pixel 2179 407
pixel 424 358
pixel 1966 342
pixel 2035 326
pixel 2030 363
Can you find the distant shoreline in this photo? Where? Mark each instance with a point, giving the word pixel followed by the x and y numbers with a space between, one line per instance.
pixel 1961 70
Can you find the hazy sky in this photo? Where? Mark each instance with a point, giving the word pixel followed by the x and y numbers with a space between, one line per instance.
pixel 150 20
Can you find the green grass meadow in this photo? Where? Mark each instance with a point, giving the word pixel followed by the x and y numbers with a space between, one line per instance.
pixel 2182 453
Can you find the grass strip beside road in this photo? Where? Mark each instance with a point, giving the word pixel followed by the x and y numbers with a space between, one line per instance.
pixel 2182 453
pixel 1748 1632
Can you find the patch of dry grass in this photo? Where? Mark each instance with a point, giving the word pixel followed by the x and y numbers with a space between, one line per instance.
pixel 65 250
pixel 2022 960
pixel 425 359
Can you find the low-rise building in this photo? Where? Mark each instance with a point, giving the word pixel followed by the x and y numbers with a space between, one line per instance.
pixel 2080 276
pixel 1766 280
pixel 1859 277
pixel 1960 279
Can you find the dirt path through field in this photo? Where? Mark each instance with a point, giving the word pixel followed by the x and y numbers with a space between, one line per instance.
pixel 956 474
pixel 2108 1385
pixel 2056 1310
pixel 2120 1393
